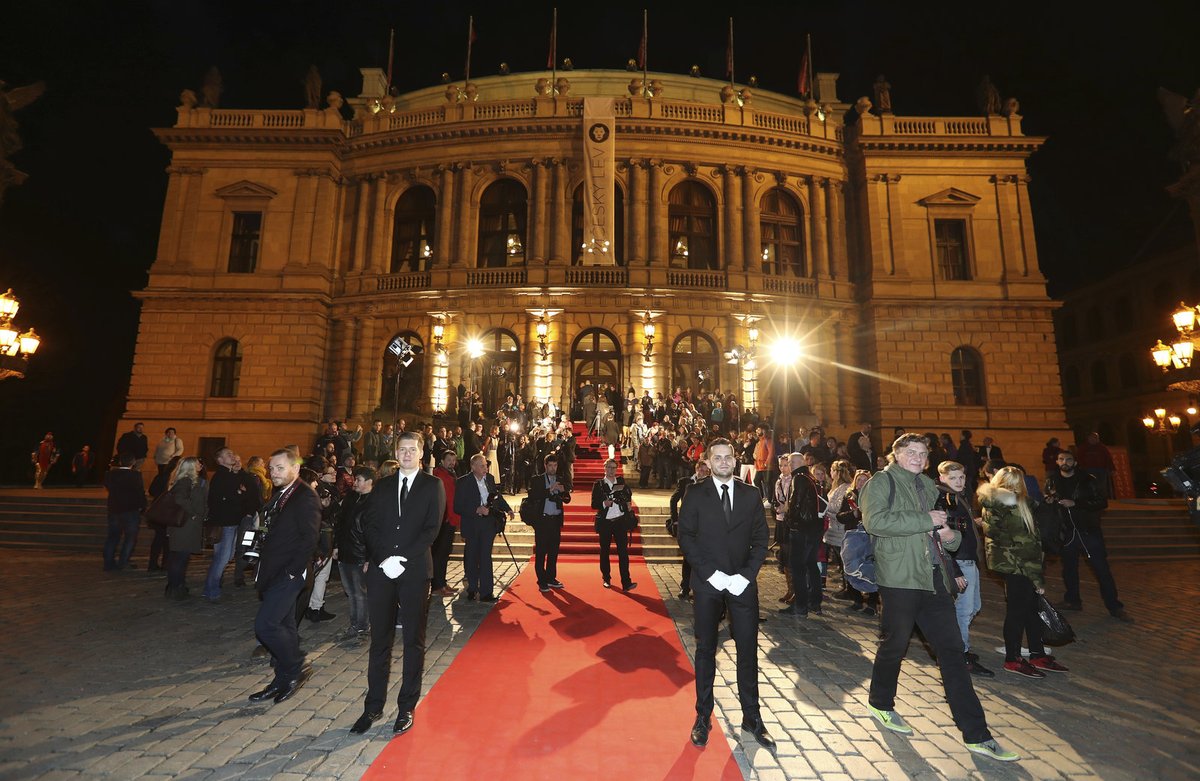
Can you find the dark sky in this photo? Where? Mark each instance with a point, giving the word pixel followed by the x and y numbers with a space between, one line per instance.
pixel 78 236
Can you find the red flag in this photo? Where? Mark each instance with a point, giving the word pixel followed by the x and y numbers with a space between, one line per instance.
pixel 471 37
pixel 553 54
pixel 729 52
pixel 641 58
pixel 803 84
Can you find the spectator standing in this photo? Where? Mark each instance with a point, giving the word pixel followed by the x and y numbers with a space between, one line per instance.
pixel 1094 459
pixel 952 498
pixel 126 501
pixel 44 456
pixel 232 495
pixel 81 465
pixel 990 451
pixel 444 542
pixel 350 550
pixel 134 442
pixel 168 449
pixel 1050 456
pixel 190 489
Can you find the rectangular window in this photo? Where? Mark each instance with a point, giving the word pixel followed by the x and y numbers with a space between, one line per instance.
pixel 243 246
pixel 951 237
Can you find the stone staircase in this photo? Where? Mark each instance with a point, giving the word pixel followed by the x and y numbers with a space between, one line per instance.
pixel 1150 529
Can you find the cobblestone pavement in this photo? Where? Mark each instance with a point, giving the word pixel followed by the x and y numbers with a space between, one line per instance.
pixel 102 677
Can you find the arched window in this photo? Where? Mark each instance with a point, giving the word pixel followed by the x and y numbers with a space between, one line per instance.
pixel 618 223
pixel 412 235
pixel 695 363
pixel 498 371
pixel 595 359
pixel 966 375
pixel 1071 382
pixel 781 225
pixel 502 225
pixel 1127 372
pixel 692 219
pixel 404 395
pixel 226 369
pixel 1099 377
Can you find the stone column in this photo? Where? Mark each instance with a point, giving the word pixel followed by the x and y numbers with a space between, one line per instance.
pixel 658 252
pixel 539 233
pixel 819 229
pixel 838 259
pixel 638 240
pixel 193 179
pixel 444 222
pixel 380 228
pixel 751 232
pixel 168 232
pixel 1029 259
pixel 325 217
pixel 300 242
pixel 365 364
pixel 895 225
pixel 340 364
pixel 358 260
pixel 466 253
pixel 734 245
pixel 560 217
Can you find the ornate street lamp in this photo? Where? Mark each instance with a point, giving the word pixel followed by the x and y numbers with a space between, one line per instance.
pixel 1175 359
pixel 1163 422
pixel 15 348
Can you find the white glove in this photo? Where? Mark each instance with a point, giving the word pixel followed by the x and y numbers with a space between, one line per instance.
pixel 719 580
pixel 737 584
pixel 392 567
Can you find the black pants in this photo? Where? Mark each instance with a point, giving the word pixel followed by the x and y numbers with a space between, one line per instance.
pixel 933 611
pixel 644 471
pixel 685 578
pixel 1020 618
pixel 547 538
pixel 159 546
pixel 479 534
pixel 442 544
pixel 275 627
pixel 410 596
pixel 611 531
pixel 177 562
pixel 805 548
pixel 743 624
pixel 1091 544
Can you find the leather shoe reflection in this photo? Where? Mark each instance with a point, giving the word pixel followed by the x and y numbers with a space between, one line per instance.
pixel 700 731
pixel 293 686
pixel 266 694
pixel 365 721
pixel 759 731
pixel 403 723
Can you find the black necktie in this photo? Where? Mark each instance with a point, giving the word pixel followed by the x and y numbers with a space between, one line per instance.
pixel 403 491
pixel 726 504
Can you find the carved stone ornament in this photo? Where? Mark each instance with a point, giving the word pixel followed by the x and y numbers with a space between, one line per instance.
pixel 335 101
pixel 781 178
pixel 471 91
pixel 727 94
pixel 1011 108
pixel 862 105
pixel 635 87
pixel 451 93
pixel 562 86
pixel 656 88
pixel 188 100
pixel 690 168
pixel 746 96
pixel 541 87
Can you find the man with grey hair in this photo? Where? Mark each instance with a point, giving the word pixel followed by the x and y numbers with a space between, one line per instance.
pixel 915 580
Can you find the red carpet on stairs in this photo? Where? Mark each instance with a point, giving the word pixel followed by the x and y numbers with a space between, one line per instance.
pixel 575 684
pixel 579 539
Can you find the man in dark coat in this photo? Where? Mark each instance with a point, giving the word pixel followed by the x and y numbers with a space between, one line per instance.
pixel 293 518
pixel 401 523
pixel 723 533
pixel 548 493
pixel 482 511
pixel 614 520
pixel 126 502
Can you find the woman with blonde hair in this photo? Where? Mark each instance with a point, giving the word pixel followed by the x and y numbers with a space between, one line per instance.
pixel 1014 550
pixel 841 473
pixel 190 490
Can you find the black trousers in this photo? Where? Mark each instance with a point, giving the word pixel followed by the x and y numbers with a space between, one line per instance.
pixel 479 534
pixel 275 627
pixel 547 538
pixel 933 611
pixel 743 623
pixel 804 550
pixel 611 531
pixel 410 597
pixel 442 544
pixel 685 578
pixel 1021 618
pixel 1091 544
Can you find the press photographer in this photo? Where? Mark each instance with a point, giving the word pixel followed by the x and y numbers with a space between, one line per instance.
pixel 544 511
pixel 478 502
pixel 612 500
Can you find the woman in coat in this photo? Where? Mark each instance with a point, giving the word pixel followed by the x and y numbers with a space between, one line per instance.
pixel 1014 550
pixel 190 490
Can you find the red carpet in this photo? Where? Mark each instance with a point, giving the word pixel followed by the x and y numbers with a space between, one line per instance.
pixel 576 684
pixel 579 540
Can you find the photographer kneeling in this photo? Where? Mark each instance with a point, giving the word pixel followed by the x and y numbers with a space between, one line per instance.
pixel 612 500
pixel 483 510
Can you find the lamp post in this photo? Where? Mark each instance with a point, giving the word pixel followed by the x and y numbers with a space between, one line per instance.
pixel 1175 359
pixel 15 348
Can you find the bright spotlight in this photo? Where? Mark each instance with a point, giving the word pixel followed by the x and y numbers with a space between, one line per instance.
pixel 475 348
pixel 785 351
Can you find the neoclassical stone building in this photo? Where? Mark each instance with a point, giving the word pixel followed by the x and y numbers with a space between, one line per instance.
pixel 898 252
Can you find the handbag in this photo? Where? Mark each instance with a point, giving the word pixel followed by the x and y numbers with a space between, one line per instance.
pixel 1055 629
pixel 165 511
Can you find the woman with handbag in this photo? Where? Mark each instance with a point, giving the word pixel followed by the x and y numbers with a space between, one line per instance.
pixel 190 491
pixel 1014 550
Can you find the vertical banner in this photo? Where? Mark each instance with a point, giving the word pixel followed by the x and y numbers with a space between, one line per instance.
pixel 599 183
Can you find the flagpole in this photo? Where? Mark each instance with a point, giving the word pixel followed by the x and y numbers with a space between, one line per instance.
pixel 391 50
pixel 812 87
pixel 554 53
pixel 470 35
pixel 731 51
pixel 645 50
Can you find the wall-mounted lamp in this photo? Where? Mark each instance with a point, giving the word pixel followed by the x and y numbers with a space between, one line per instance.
pixel 543 333
pixel 648 331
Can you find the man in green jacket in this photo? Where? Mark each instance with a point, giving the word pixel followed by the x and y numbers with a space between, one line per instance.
pixel 912 568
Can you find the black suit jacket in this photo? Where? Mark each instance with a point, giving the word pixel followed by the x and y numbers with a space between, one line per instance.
pixel 292 537
pixel 467 498
pixel 600 492
pixel 537 490
pixel 388 533
pixel 711 544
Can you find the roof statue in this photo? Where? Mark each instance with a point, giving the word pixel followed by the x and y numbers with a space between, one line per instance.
pixel 312 88
pixel 12 101
pixel 1184 118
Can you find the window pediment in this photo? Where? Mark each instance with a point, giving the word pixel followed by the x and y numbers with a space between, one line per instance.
pixel 246 189
pixel 950 197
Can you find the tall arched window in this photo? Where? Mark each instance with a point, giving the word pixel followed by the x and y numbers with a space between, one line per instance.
pixel 1071 382
pixel 226 369
pixel 692 219
pixel 618 223
pixel 498 371
pixel 412 235
pixel 781 225
pixel 1099 377
pixel 595 359
pixel 966 375
pixel 502 225
pixel 695 363
pixel 404 395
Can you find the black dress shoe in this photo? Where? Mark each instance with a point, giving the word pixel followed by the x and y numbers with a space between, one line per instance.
pixel 266 694
pixel 403 723
pixel 365 721
pixel 759 731
pixel 629 586
pixel 700 732
pixel 291 687
pixel 488 598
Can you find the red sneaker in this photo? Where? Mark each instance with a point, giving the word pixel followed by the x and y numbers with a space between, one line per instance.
pixel 1022 667
pixel 1047 663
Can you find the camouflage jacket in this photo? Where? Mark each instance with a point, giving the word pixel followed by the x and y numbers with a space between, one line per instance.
pixel 1011 548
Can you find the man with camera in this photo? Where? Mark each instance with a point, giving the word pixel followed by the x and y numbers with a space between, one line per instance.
pixel 548 494
pixel 1080 499
pixel 483 511
pixel 612 500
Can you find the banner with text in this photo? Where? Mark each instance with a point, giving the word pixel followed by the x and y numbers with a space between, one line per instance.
pixel 599 183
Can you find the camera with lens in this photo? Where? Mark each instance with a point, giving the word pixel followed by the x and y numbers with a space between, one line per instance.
pixel 622 497
pixel 251 543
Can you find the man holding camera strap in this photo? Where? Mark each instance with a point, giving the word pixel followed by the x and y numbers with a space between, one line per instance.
pixel 548 494
pixel 478 503
pixel 612 500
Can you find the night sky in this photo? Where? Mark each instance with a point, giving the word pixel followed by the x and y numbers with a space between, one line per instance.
pixel 79 235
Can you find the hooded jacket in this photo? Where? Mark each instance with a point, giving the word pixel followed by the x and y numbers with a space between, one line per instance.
pixel 1012 549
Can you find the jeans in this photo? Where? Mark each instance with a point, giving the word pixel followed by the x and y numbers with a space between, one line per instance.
pixel 934 613
pixel 121 524
pixel 968 603
pixel 316 599
pixel 354 583
pixel 222 553
pixel 1021 618
pixel 1091 544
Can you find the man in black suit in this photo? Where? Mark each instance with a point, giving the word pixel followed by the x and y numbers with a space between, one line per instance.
pixel 548 494
pixel 614 521
pixel 478 502
pixel 990 451
pixel 293 518
pixel 400 525
pixel 701 473
pixel 723 533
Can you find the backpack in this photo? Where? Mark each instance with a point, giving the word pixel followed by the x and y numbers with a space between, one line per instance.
pixel 858 551
pixel 530 511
